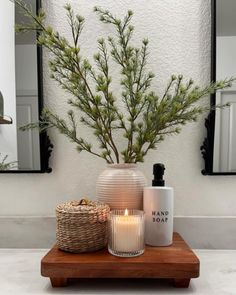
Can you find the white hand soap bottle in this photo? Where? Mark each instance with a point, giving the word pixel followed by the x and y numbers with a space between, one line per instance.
pixel 158 207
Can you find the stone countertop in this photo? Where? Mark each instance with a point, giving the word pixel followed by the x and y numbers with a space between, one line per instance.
pixel 20 274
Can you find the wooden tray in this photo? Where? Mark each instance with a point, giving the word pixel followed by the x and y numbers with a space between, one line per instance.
pixel 177 262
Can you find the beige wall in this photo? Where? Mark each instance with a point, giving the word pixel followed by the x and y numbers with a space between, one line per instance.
pixel 179 34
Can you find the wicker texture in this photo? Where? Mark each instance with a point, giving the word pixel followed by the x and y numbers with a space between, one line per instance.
pixel 82 226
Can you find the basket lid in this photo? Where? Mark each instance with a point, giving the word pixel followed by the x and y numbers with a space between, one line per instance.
pixel 83 206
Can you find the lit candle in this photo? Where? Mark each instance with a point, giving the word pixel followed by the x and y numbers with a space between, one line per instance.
pixel 126 233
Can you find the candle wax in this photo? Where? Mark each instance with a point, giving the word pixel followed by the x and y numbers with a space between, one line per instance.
pixel 127 230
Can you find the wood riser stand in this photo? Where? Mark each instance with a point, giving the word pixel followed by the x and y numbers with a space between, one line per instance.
pixel 177 262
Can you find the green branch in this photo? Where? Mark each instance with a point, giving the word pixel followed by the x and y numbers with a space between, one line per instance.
pixel 137 113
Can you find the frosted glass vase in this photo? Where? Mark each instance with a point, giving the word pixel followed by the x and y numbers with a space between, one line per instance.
pixel 121 186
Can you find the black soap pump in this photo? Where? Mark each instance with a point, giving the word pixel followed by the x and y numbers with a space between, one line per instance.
pixel 158 172
pixel 158 206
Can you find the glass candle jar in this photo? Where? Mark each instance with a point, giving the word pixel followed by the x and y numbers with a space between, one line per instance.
pixel 126 233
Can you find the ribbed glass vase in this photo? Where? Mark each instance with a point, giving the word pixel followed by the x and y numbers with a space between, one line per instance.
pixel 121 186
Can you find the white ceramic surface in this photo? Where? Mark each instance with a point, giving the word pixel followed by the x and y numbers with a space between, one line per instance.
pixel 121 186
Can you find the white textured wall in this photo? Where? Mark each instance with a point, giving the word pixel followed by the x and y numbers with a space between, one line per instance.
pixel 179 34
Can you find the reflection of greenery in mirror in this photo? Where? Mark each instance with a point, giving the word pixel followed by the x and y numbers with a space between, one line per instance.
pixel 148 117
pixel 4 165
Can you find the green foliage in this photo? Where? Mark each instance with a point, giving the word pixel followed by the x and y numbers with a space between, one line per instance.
pixel 4 165
pixel 147 118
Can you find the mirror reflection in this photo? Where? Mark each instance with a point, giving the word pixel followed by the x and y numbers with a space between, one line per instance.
pixel 225 120
pixel 19 101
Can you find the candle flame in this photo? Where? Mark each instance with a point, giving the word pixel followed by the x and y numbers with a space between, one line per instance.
pixel 126 212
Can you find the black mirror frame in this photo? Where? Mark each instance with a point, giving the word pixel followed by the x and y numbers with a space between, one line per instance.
pixel 45 144
pixel 207 148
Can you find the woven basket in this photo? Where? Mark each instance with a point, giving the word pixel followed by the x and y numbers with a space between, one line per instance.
pixel 82 226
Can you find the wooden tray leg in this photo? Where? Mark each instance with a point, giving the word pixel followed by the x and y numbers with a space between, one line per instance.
pixel 181 283
pixel 58 282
